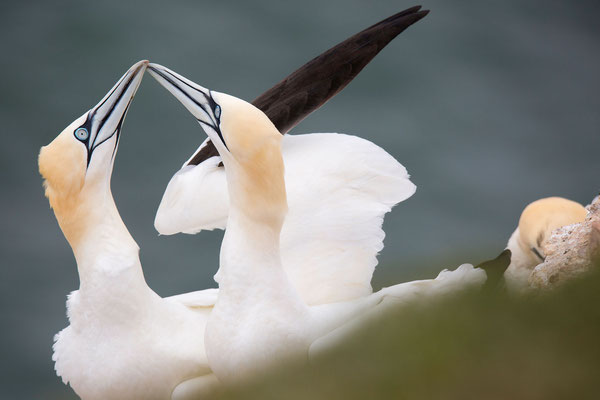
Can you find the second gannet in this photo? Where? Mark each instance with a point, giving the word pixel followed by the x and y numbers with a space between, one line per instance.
pixel 536 224
pixel 324 172
pixel 260 316
pixel 124 341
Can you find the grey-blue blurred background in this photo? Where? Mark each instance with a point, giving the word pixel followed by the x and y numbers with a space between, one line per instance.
pixel 489 105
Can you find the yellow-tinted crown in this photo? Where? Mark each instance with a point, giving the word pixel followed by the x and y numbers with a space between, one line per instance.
pixel 543 216
pixel 62 164
pixel 255 144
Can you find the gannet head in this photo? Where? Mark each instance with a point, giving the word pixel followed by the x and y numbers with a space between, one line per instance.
pixel 536 224
pixel 543 216
pixel 79 161
pixel 246 139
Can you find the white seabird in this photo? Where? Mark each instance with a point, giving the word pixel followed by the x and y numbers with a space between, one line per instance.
pixel 124 341
pixel 536 224
pixel 260 316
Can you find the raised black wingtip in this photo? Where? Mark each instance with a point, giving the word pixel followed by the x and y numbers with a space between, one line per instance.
pixel 316 82
pixel 412 19
pixel 398 21
pixel 414 12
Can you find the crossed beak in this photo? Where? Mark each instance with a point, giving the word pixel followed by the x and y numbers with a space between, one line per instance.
pixel 105 120
pixel 198 100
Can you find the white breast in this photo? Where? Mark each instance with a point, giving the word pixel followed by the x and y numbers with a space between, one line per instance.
pixel 146 359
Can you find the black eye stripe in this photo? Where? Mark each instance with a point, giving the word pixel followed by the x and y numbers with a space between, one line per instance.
pixel 112 109
pixel 173 83
pixel 214 106
pixel 537 253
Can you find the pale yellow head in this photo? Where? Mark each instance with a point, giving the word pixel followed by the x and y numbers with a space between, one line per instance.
pixel 253 148
pixel 77 164
pixel 543 216
pixel 62 164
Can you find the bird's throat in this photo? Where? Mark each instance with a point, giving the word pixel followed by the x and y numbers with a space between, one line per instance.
pixel 96 233
pixel 257 192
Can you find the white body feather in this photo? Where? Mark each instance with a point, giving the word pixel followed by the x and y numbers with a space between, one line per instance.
pixel 283 290
pixel 259 318
pixel 124 341
pixel 339 187
pixel 446 282
pixel 521 264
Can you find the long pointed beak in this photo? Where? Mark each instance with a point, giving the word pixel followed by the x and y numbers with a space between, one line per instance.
pixel 194 97
pixel 197 99
pixel 106 118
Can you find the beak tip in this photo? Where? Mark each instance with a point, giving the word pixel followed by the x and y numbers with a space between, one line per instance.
pixel 140 65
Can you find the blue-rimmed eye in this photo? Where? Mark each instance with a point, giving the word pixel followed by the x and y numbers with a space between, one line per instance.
pixel 81 134
pixel 218 111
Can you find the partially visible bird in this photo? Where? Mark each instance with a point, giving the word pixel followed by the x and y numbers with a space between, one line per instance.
pixel 124 341
pixel 260 316
pixel 536 224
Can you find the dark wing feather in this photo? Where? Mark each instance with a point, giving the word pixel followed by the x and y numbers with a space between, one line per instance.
pixel 313 84
pixel 495 268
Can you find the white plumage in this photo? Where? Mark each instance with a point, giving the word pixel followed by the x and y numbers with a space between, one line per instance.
pixel 339 187
pixel 124 341
pixel 263 310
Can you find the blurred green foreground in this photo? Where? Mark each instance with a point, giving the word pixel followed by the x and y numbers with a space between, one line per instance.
pixel 473 345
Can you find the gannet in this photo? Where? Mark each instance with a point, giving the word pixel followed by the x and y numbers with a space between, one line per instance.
pixel 260 316
pixel 338 171
pixel 123 341
pixel 536 224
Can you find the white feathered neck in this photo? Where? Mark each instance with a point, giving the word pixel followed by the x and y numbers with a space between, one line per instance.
pixel 107 256
pixel 257 304
pixel 255 177
pixel 110 272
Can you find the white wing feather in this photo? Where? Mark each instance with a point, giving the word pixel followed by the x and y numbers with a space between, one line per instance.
pixel 447 282
pixel 196 199
pixel 339 188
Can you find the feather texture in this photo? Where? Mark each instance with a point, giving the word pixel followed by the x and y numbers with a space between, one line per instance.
pixel 463 277
pixel 296 259
pixel 339 187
